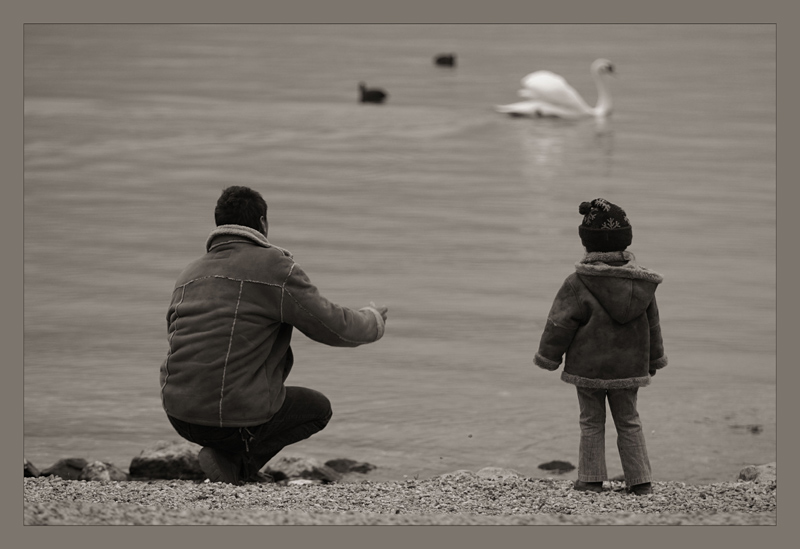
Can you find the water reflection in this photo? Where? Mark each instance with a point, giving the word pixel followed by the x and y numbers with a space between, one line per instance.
pixel 550 145
pixel 556 155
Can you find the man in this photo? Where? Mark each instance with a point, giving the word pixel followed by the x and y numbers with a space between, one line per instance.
pixel 229 327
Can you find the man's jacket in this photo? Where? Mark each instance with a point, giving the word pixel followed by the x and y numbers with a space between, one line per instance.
pixel 230 324
pixel 605 319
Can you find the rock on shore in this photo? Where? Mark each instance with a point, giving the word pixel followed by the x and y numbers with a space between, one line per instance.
pixel 178 460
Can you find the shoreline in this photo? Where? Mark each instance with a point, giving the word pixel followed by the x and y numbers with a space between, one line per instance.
pixel 458 498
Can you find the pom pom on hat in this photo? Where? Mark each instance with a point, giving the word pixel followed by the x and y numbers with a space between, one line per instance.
pixel 605 226
pixel 584 208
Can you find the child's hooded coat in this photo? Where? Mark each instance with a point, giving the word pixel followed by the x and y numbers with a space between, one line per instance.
pixel 605 319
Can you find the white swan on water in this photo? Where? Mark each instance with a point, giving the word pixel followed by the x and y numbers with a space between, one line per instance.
pixel 548 94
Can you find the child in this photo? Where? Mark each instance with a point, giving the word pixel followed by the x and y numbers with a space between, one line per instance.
pixel 605 319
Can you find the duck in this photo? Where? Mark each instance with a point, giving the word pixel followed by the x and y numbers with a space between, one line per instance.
pixel 371 95
pixel 549 95
pixel 445 60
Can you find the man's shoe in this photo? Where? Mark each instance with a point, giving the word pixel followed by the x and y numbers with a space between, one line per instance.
pixel 641 489
pixel 218 467
pixel 588 486
pixel 260 478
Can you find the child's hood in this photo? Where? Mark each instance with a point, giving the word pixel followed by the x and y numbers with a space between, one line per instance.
pixel 622 287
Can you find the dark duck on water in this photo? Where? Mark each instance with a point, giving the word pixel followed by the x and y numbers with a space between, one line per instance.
pixel 445 60
pixel 371 95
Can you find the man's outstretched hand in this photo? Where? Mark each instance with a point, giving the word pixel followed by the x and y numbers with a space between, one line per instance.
pixel 382 309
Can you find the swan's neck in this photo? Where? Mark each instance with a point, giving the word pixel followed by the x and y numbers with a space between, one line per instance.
pixel 604 104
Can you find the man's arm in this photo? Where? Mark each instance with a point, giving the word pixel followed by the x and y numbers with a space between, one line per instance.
pixel 306 309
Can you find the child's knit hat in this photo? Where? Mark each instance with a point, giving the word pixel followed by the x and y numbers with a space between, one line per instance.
pixel 605 226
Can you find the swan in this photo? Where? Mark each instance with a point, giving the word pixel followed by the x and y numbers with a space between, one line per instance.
pixel 374 95
pixel 548 94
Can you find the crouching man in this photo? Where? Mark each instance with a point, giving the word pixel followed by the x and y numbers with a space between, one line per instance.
pixel 229 327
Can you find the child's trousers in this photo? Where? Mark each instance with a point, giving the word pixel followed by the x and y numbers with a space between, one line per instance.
pixel 630 438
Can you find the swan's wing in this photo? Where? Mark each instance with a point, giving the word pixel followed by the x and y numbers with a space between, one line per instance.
pixel 536 108
pixel 543 79
pixel 551 88
pixel 522 108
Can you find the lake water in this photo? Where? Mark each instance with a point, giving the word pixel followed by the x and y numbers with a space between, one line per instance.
pixel 463 221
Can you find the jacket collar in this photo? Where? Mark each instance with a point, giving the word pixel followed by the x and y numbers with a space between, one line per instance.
pixel 597 264
pixel 250 235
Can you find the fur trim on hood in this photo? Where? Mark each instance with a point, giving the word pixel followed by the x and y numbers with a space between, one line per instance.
pixel 251 235
pixel 597 264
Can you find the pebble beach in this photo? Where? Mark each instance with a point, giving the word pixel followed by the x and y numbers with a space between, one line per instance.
pixel 458 498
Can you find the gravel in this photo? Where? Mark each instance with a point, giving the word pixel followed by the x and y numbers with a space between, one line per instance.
pixel 460 498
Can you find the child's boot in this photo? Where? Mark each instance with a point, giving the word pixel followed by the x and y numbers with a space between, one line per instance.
pixel 641 489
pixel 588 486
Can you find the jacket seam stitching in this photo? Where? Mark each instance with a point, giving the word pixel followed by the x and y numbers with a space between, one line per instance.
pixel 229 278
pixel 228 354
pixel 283 286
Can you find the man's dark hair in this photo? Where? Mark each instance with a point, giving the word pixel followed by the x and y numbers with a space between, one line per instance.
pixel 240 206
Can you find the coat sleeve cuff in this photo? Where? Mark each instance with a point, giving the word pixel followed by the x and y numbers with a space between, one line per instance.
pixel 546 363
pixel 379 320
pixel 658 363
